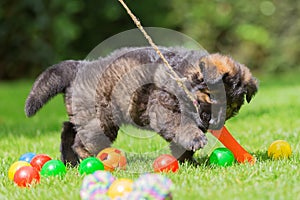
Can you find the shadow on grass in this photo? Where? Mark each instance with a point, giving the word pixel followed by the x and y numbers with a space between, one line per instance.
pixel 201 161
pixel 261 156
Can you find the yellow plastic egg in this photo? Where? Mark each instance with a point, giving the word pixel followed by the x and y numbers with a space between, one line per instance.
pixel 120 187
pixel 279 149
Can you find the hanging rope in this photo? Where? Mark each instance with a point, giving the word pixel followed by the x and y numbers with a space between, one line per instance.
pixel 154 46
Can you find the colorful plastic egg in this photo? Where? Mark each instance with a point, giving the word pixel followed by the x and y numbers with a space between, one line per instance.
pixel 95 186
pixel 27 157
pixel 120 187
pixel 26 176
pixel 14 167
pixel 279 149
pixel 53 168
pixel 39 160
pixel 165 163
pixel 112 159
pixel 90 165
pixel 221 157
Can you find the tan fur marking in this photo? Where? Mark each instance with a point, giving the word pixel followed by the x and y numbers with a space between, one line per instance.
pixel 224 63
pixel 203 97
pixel 247 74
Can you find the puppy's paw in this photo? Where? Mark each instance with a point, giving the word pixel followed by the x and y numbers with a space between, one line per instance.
pixel 192 141
pixel 197 142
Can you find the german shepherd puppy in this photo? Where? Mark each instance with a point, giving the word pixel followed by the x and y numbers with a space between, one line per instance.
pixel 133 86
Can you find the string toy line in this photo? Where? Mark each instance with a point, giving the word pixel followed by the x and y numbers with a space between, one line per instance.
pixel 154 46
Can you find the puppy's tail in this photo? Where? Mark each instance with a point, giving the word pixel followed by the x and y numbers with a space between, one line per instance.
pixel 51 82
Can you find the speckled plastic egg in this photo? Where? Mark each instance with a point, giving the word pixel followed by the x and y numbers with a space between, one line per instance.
pixel 95 186
pixel 157 186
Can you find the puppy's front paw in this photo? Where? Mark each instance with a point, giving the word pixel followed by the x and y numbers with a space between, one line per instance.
pixel 199 141
pixel 192 141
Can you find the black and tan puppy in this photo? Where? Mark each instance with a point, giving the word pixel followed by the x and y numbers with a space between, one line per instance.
pixel 133 86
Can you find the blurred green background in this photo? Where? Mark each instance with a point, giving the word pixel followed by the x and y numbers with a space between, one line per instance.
pixel 265 35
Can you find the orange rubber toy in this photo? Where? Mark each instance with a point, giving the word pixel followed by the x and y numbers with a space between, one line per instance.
pixel 240 154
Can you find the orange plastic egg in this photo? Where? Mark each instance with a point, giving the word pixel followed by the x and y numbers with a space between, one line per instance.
pixel 112 159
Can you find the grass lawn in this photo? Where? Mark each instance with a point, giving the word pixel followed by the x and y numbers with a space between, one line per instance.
pixel 273 114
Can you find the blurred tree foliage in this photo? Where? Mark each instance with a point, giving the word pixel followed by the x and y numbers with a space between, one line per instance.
pixel 263 34
pixel 35 34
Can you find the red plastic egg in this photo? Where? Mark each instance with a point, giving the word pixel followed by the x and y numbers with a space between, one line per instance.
pixel 39 160
pixel 14 167
pixel 26 176
pixel 165 163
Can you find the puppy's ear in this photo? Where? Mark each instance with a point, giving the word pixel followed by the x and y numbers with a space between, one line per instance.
pixel 215 66
pixel 250 83
pixel 251 89
pixel 210 72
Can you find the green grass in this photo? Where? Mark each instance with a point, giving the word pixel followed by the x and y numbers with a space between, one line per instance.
pixel 273 114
